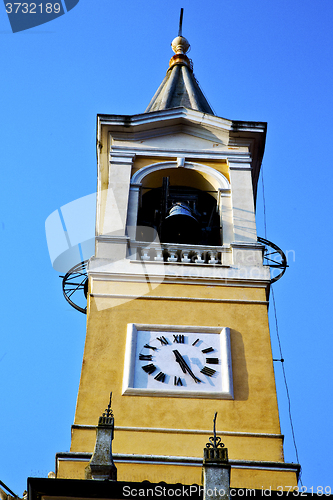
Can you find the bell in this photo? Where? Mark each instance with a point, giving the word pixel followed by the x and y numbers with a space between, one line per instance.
pixel 180 226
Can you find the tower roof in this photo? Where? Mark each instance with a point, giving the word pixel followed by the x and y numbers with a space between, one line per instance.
pixel 179 87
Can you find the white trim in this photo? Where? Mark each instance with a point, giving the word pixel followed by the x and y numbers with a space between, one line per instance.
pixel 184 431
pixel 129 278
pixel 197 154
pixel 113 238
pixel 239 166
pixel 181 113
pixel 75 459
pixel 211 154
pixel 178 298
pixel 178 274
pixel 181 461
pixel 156 460
pixel 220 179
pixel 121 158
pixel 196 117
pixel 226 390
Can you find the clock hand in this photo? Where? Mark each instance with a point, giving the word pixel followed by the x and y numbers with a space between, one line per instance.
pixel 180 360
pixel 184 366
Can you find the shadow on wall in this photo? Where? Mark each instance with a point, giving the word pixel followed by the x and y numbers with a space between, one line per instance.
pixel 239 369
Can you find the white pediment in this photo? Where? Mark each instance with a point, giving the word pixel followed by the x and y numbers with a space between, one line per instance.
pixel 174 140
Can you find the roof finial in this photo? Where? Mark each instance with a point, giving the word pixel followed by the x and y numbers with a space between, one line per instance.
pixel 215 450
pixel 180 45
pixel 101 465
pixel 180 88
pixel 215 441
pixel 181 22
pixel 214 429
pixel 108 412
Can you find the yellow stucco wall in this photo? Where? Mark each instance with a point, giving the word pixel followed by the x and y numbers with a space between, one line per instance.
pixel 254 387
pixel 252 412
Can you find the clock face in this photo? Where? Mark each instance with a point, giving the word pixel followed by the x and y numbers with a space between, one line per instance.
pixel 186 361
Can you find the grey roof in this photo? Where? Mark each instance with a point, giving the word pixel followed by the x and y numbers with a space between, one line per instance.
pixel 179 88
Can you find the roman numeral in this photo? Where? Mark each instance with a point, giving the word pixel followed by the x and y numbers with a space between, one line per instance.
pixel 163 340
pixel 208 349
pixel 212 361
pixel 149 368
pixel 178 381
pixel 208 371
pixel 160 377
pixel 146 357
pixel 147 346
pixel 196 341
pixel 179 339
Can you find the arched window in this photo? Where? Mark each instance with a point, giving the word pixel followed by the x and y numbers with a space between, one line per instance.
pixel 180 214
pixel 182 203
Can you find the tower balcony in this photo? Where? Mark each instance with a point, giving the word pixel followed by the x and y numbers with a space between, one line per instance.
pixel 178 253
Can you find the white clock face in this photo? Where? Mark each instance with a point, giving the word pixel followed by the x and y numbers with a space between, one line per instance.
pixel 184 361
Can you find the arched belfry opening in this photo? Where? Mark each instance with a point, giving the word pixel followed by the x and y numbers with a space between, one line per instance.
pixel 181 205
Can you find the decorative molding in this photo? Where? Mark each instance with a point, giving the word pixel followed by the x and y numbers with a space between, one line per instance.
pixel 112 238
pixel 216 176
pixel 181 113
pixel 184 299
pixel 247 245
pixel 239 166
pixel 130 150
pixel 136 186
pixel 206 154
pixel 121 157
pixel 187 280
pixel 179 460
pixel 185 431
pixel 226 193
pixel 181 162
pixel 194 130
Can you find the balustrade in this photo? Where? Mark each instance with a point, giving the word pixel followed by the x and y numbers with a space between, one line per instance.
pixel 180 254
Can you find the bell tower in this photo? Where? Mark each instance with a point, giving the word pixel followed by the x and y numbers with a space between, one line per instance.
pixel 177 324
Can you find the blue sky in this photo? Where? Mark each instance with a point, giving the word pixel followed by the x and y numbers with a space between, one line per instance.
pixel 255 60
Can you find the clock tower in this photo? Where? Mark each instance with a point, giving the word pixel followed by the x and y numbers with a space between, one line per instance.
pixel 177 324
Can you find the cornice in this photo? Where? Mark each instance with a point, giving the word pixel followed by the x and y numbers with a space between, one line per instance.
pixel 180 128
pixel 179 460
pixel 122 123
pixel 178 298
pixel 178 280
pixel 205 154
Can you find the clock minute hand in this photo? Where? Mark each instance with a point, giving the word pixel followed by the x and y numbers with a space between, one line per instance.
pixel 180 360
pixel 184 366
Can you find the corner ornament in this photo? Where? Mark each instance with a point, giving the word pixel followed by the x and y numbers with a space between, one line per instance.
pixel 215 450
pixel 101 465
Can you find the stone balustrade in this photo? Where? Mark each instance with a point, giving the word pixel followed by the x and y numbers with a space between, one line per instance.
pixel 181 254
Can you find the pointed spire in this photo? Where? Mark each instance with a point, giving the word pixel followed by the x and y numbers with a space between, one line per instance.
pixel 179 87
